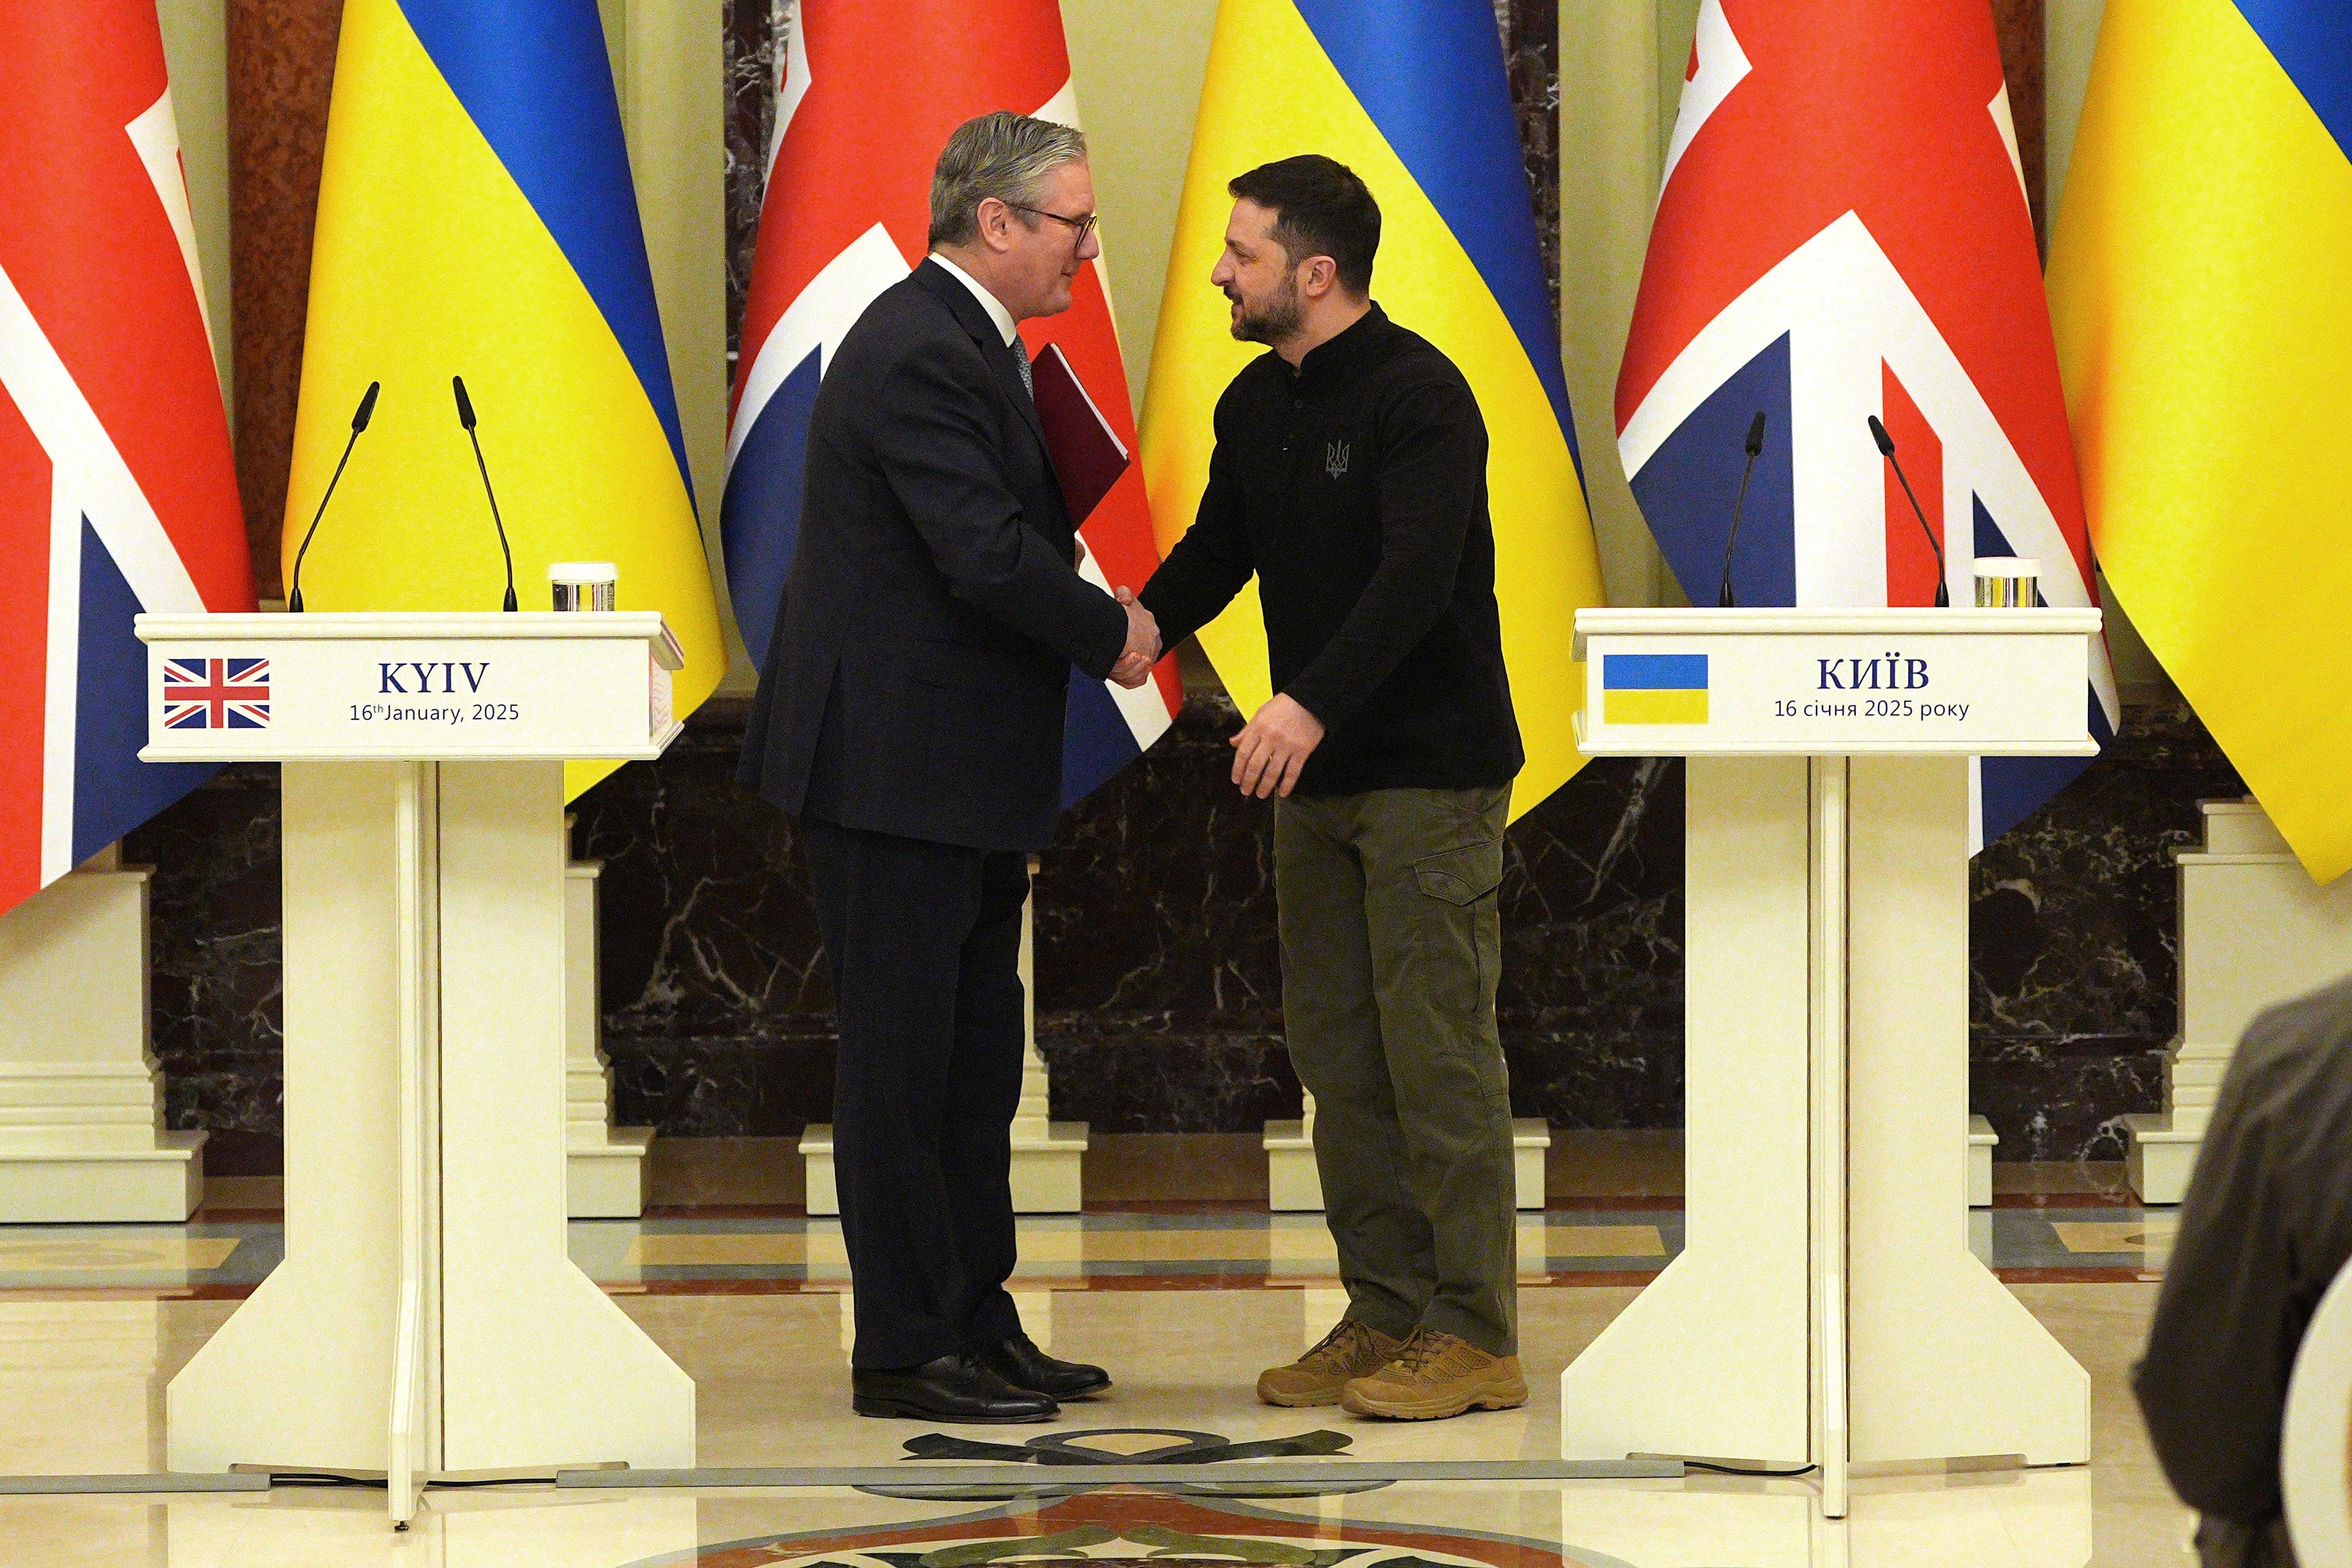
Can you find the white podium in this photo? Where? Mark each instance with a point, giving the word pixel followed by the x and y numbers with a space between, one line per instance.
pixel 1826 1308
pixel 426 1319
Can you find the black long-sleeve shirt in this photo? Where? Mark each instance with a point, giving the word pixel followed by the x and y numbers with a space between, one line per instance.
pixel 1354 490
pixel 2266 1224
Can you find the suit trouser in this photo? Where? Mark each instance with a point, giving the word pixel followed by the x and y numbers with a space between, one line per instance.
pixel 1391 948
pixel 924 943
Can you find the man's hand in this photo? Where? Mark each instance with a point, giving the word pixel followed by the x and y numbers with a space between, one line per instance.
pixel 1134 666
pixel 1274 746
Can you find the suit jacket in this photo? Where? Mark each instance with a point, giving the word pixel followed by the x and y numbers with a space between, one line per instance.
pixel 920 670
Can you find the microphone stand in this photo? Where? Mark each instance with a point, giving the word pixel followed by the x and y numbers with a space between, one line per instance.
pixel 466 417
pixel 359 423
pixel 1887 449
pixel 1723 599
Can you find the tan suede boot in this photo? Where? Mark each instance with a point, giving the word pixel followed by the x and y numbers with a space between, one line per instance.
pixel 1349 1351
pixel 1434 1375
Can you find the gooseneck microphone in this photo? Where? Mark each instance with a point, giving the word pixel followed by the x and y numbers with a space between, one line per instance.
pixel 359 422
pixel 1755 446
pixel 1886 450
pixel 466 417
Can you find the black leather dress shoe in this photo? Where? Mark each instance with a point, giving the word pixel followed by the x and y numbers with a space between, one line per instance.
pixel 1019 1362
pixel 954 1389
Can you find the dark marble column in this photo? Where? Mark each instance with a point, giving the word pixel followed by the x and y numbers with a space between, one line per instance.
pixel 214 965
pixel 755 38
pixel 281 69
pixel 2074 942
pixel 1530 31
pixel 2025 51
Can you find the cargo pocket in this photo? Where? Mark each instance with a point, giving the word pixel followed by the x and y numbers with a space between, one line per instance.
pixel 1462 876
pixel 1465 878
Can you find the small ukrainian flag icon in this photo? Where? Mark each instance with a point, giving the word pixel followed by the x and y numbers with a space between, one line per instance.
pixel 1653 688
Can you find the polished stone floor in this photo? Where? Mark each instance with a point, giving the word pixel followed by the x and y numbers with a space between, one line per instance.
pixel 81 1385
pixel 689 1252
pixel 1184 1304
pixel 2036 1519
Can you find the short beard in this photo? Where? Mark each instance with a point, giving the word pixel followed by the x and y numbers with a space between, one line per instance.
pixel 1277 322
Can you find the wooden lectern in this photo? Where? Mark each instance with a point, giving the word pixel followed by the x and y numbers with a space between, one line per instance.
pixel 426 1319
pixel 1826 1308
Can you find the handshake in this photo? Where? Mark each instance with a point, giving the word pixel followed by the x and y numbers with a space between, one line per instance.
pixel 1134 666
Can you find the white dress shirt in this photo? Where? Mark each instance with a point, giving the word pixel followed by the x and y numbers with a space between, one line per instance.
pixel 988 301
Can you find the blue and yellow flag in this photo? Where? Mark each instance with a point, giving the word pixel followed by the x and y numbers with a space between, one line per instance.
pixel 1413 99
pixel 2201 282
pixel 476 218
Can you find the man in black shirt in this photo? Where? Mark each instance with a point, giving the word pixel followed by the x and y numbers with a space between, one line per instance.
pixel 1349 478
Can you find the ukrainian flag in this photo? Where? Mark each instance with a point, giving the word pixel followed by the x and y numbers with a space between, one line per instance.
pixel 1412 97
pixel 476 218
pixel 2201 282
pixel 1654 689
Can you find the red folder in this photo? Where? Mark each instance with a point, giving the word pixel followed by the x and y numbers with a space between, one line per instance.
pixel 1088 458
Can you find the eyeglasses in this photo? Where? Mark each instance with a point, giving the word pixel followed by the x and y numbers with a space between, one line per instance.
pixel 1085 224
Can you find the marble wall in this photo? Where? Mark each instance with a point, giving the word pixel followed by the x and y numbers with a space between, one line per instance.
pixel 2074 942
pixel 1530 30
pixel 214 965
pixel 1159 993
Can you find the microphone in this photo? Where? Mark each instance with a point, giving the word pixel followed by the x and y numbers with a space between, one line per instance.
pixel 359 422
pixel 466 417
pixel 1755 446
pixel 1886 450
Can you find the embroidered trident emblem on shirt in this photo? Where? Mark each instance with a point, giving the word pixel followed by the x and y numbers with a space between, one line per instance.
pixel 1334 458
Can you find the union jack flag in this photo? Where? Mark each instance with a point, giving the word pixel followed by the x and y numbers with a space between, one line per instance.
pixel 869 93
pixel 118 493
pixel 217 694
pixel 1843 232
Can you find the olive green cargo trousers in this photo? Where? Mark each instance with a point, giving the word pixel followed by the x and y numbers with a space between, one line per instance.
pixel 1391 944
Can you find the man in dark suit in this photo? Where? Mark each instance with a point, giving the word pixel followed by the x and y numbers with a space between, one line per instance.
pixel 910 716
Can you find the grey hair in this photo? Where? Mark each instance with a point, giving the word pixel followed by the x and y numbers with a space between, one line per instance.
pixel 1004 155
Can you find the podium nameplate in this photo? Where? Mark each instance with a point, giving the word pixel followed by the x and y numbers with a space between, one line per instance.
pixel 434 687
pixel 1699 682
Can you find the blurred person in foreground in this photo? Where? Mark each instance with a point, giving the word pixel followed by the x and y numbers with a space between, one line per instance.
pixel 1349 478
pixel 2265 1226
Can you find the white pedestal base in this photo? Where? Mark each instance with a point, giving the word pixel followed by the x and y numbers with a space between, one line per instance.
pixel 607 1164
pixel 2157 1159
pixel 1046 1169
pixel 1983 1142
pixel 2255 931
pixel 1294 1185
pixel 1531 1140
pixel 81 1099
pixel 161 1186
pixel 817 1160
pixel 607 1179
pixel 1827 1055
pixel 427 1314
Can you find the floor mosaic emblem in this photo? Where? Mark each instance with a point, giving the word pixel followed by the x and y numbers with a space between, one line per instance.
pixel 1089 1448
pixel 1056 1451
pixel 1142 1530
